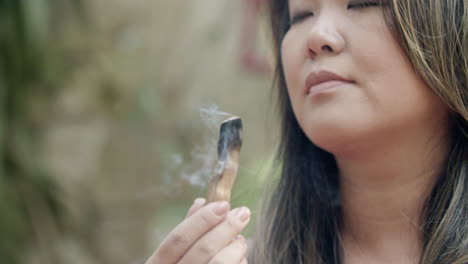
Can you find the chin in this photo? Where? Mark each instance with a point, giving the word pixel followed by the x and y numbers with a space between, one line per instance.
pixel 336 137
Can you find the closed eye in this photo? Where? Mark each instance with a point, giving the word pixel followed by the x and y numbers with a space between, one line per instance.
pixel 363 4
pixel 296 18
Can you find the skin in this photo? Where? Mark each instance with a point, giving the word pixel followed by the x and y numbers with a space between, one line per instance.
pixel 208 234
pixel 387 129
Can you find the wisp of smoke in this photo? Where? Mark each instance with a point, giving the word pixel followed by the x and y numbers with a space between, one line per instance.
pixel 212 117
pixel 203 162
pixel 204 156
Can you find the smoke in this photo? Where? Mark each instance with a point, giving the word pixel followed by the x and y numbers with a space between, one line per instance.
pixel 168 186
pixel 204 156
pixel 212 117
pixel 202 163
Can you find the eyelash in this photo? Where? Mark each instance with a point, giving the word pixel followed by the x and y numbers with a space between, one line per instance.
pixel 302 15
pixel 365 4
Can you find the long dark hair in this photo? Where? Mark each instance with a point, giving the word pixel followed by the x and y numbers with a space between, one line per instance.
pixel 301 221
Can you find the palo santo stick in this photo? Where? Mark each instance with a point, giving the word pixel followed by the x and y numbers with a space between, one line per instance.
pixel 229 144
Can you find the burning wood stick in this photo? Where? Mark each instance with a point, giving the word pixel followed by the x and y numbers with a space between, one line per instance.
pixel 229 144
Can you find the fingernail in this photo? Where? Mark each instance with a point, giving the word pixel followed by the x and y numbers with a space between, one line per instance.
pixel 221 208
pixel 199 201
pixel 243 214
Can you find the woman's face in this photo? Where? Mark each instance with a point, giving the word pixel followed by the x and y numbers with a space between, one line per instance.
pixel 348 79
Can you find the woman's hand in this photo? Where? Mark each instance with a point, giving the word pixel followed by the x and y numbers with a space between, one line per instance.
pixel 208 235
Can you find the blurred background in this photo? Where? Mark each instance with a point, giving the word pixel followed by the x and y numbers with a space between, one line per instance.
pixel 109 118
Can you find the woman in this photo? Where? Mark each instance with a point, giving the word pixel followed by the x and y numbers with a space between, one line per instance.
pixel 374 150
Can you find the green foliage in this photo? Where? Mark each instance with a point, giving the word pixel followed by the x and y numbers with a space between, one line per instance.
pixel 26 193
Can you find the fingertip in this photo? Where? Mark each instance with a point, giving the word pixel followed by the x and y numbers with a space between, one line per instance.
pixel 244 261
pixel 197 204
pixel 199 201
pixel 221 208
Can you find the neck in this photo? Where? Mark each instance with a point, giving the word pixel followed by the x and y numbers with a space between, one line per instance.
pixel 383 193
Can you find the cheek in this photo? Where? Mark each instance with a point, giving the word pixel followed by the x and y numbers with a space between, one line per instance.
pixel 405 95
pixel 390 82
pixel 395 98
pixel 289 57
pixel 382 72
pixel 293 61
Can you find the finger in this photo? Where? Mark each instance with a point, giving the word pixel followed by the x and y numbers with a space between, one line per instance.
pixel 217 238
pixel 184 235
pixel 197 204
pixel 244 261
pixel 233 253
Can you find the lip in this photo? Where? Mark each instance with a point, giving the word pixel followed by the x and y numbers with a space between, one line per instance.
pixel 318 81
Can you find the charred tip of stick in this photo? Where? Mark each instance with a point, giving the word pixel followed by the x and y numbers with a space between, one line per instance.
pixel 230 136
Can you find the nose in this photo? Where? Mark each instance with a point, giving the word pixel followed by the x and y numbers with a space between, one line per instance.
pixel 324 38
